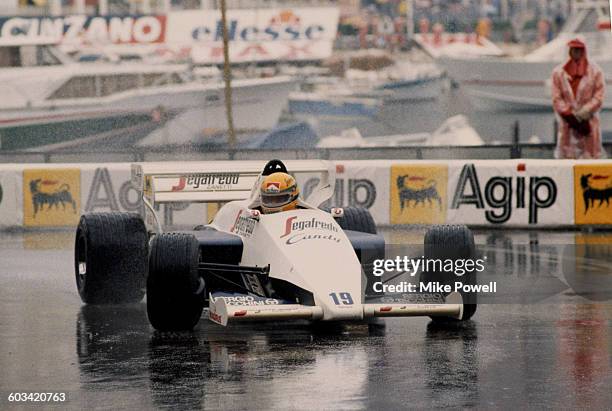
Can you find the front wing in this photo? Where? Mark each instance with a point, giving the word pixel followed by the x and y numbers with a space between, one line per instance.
pixel 226 308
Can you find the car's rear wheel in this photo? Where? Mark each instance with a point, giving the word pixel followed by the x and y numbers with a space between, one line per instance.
pixel 175 291
pixel 110 258
pixel 357 219
pixel 454 242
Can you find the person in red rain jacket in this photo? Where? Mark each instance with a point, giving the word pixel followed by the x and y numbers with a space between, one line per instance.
pixel 577 95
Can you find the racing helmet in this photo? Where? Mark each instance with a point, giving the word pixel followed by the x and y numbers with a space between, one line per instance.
pixel 279 192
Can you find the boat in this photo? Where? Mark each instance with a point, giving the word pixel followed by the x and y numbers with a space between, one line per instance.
pixel 362 93
pixel 441 44
pixel 455 131
pixel 323 104
pixel 401 82
pixel 523 84
pixel 48 99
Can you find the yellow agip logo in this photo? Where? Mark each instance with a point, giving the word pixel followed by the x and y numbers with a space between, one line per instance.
pixel 51 197
pixel 418 194
pixel 593 194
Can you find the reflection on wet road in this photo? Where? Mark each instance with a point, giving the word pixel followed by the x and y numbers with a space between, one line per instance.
pixel 556 353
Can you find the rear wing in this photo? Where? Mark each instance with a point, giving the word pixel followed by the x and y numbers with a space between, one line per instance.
pixel 220 181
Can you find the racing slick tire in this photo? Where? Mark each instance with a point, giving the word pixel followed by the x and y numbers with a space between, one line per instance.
pixel 175 293
pixel 110 258
pixel 357 219
pixel 453 242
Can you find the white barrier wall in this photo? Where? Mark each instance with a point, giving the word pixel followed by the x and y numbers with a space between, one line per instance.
pixel 513 193
pixel 10 192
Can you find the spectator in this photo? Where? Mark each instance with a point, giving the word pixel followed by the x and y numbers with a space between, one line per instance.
pixel 577 95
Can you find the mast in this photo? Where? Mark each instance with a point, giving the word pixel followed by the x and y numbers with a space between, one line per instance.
pixel 409 21
pixel 103 7
pixel 227 77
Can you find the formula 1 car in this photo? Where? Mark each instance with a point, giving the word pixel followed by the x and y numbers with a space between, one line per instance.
pixel 308 263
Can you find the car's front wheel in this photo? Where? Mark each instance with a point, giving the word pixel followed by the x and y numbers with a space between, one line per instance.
pixel 452 242
pixel 175 291
pixel 110 258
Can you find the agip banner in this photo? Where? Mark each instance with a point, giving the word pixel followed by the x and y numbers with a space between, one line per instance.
pixel 593 188
pixel 361 184
pixel 51 197
pixel 418 194
pixel 513 193
pixel 108 187
pixel 507 193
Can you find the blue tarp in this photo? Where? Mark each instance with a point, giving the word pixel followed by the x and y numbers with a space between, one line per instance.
pixel 295 135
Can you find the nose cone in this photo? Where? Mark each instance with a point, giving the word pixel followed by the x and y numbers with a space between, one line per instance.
pixel 323 261
pixel 333 275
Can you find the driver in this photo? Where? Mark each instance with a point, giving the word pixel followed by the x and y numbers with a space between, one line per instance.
pixel 279 192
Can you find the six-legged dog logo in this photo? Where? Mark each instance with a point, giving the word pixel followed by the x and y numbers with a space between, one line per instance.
pixel 590 194
pixel 408 192
pixel 60 195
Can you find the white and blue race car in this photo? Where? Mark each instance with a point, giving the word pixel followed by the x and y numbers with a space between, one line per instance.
pixel 309 263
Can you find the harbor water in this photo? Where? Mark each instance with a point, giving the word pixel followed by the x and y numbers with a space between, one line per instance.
pixel 420 116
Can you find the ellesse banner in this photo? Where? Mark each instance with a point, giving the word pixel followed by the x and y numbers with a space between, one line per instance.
pixel 520 193
pixel 418 194
pixel 255 35
pixel 593 188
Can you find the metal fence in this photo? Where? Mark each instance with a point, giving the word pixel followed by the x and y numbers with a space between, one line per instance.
pixel 502 151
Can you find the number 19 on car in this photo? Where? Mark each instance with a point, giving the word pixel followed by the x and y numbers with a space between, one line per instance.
pixel 342 298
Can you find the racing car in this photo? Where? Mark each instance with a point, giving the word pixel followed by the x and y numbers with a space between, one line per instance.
pixel 311 263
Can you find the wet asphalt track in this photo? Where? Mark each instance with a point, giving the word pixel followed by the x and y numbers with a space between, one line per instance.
pixel 555 354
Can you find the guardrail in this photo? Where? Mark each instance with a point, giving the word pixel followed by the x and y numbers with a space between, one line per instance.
pixel 182 153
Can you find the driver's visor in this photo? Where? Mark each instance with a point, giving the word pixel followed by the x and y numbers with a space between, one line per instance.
pixel 277 199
